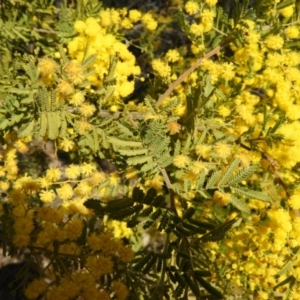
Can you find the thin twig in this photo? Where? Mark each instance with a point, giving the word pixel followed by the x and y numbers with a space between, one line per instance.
pixel 172 205
pixel 186 74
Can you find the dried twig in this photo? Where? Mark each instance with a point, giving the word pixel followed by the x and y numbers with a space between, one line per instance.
pixel 186 74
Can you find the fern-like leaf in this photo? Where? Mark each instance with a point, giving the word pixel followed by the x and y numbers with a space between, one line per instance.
pixel 150 102
pixel 228 173
pixel 89 60
pixel 132 152
pixel 43 124
pixel 213 179
pixel 200 180
pixel 208 287
pixel 53 125
pixel 286 268
pixel 251 194
pixel 177 148
pixel 138 160
pixel 122 144
pixel 242 175
pixel 239 204
pixel 219 232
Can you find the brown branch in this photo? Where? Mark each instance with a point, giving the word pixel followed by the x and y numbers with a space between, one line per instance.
pixel 186 74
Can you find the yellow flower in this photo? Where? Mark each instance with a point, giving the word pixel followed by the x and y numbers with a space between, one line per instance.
pixel 76 206
pixel 211 2
pixel 105 18
pixel 197 29
pixel 21 240
pixel 73 171
pixel 135 15
pixel 50 214
pixel 163 69
pixel 66 145
pixel 114 108
pixel 47 196
pixel 53 174
pixel 4 185
pixel 287 11
pixel 77 99
pixel 103 242
pixel 99 265
pixel 227 71
pixel 47 66
pixel 131 173
pixel 87 169
pixel 181 161
pixel 84 188
pixel 114 179
pixel 21 146
pixel 70 286
pixel 292 32
pixel 84 127
pixel 125 254
pixel 156 182
pixel 196 49
pixel 126 88
pixel 35 288
pixel 263 295
pixel 19 211
pixel 79 26
pixel 222 150
pixel 197 167
pixel 65 192
pixel 173 127
pixel 191 7
pixel 75 72
pixel 149 22
pixel 92 28
pixel 221 198
pixel 97 178
pixel 65 88
pixel 16 196
pixel 274 42
pixel 120 290
pixel 207 15
pixel 119 229
pixel 224 111
pixel 69 248
pixel 73 228
pixel 126 23
pixel 294 200
pixel 172 55
pixel 203 150
pixel 115 16
pixel 92 292
pixel 87 110
pixel 28 184
pixel 23 225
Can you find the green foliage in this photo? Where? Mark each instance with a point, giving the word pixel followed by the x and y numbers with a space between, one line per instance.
pixel 150 209
pixel 198 167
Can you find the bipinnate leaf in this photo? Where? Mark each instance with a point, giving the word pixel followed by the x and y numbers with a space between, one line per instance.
pixel 209 288
pixel 240 204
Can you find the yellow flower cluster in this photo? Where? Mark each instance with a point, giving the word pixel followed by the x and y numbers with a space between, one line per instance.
pixel 58 216
pixel 205 15
pixel 261 63
pixel 48 212
pixel 99 36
